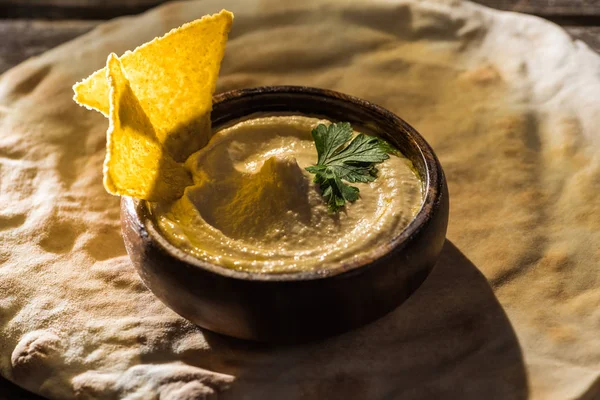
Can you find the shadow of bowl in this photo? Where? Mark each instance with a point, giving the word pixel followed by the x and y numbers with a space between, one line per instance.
pixel 296 307
pixel 450 340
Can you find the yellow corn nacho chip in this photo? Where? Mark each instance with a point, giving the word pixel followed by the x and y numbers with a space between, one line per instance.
pixel 136 164
pixel 174 78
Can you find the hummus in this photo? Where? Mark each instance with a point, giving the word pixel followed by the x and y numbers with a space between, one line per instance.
pixel 254 208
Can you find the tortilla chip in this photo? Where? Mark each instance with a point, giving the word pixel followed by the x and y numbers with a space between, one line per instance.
pixel 174 78
pixel 136 164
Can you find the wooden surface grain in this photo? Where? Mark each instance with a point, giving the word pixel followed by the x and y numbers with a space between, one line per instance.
pixel 547 7
pixel 102 9
pixel 73 9
pixel 22 39
pixel 30 27
pixel 587 34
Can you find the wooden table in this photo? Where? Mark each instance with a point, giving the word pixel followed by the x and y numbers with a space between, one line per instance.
pixel 30 27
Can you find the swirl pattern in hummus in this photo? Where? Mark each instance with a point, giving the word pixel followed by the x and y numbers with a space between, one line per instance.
pixel 253 207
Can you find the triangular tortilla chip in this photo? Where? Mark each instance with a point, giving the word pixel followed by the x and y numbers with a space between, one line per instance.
pixel 174 78
pixel 136 164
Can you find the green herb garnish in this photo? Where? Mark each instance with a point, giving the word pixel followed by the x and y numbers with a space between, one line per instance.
pixel 338 162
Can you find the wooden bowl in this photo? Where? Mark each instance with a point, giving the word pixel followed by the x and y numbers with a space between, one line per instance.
pixel 301 306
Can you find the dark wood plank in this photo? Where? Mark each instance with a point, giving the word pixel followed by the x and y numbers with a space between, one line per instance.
pixel 549 8
pixel 563 12
pixel 74 9
pixel 585 12
pixel 22 39
pixel 85 3
pixel 587 34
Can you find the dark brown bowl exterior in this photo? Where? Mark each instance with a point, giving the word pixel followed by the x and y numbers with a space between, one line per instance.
pixel 290 308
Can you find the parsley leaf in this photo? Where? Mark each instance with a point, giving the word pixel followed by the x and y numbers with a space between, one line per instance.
pixel 338 162
pixel 389 148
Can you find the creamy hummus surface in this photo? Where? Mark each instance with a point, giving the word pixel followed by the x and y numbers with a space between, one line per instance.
pixel 254 208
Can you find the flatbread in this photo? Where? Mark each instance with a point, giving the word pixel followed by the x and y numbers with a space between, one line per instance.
pixel 509 103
